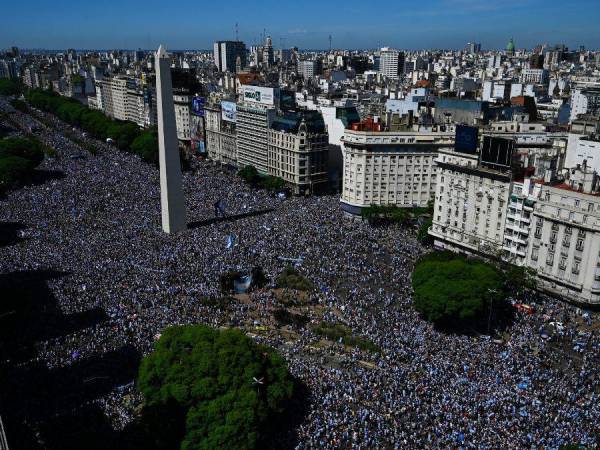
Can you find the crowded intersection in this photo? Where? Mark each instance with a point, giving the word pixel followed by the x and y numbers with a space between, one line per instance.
pixel 531 386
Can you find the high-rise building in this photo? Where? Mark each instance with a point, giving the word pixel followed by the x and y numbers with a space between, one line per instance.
pixel 308 68
pixel 392 63
pixel 229 55
pixel 268 58
pixel 473 48
pixel 255 114
pixel 111 94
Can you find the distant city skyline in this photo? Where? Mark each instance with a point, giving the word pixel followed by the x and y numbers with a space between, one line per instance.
pixel 447 24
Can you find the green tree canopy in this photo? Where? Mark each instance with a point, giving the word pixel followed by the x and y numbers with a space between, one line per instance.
pixel 13 170
pixel 127 135
pixel 28 148
pixel 380 214
pixel 9 87
pixel 452 289
pixel 146 145
pixel 250 174
pixel 210 377
pixel 423 232
pixel 18 158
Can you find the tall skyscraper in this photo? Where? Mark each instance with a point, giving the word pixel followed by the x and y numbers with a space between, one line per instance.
pixel 392 63
pixel 229 55
pixel 268 53
pixel 171 190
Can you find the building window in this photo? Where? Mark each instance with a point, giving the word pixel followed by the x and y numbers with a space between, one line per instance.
pixel 562 265
pixel 534 253
pixel 579 246
pixel 550 259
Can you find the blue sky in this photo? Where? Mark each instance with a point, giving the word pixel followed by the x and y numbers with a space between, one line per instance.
pixel 196 24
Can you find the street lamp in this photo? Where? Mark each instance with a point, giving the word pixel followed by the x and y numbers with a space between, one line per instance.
pixel 491 291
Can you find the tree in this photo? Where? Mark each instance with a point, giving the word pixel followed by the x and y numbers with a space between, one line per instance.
pixel 384 214
pixel 9 87
pixel 126 135
pixel 423 233
pixel 13 170
pixel 454 290
pixel 18 158
pixel 28 148
pixel 146 146
pixel 292 279
pixel 250 174
pixel 228 390
pixel 259 279
pixel 517 279
pixel 272 183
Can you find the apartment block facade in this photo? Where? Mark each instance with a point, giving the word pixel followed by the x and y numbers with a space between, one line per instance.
pixel 390 168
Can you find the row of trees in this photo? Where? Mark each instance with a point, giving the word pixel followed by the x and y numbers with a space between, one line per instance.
pixel 456 291
pixel 386 214
pixel 18 158
pixel 126 135
pixel 250 174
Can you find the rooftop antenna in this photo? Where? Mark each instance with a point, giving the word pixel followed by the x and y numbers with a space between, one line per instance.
pixel 237 33
pixel 329 43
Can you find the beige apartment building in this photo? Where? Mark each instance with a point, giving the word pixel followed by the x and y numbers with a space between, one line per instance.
pixel 564 248
pixel 298 151
pixel 470 205
pixel 390 168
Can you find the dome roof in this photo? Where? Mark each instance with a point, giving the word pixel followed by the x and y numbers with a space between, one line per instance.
pixel 510 47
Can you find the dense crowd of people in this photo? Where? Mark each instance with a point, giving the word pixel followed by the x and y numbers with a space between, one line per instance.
pixel 536 385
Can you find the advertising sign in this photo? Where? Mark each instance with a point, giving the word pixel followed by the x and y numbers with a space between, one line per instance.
pixel 198 135
pixel 260 95
pixel 466 139
pixel 198 106
pixel 496 153
pixel 229 111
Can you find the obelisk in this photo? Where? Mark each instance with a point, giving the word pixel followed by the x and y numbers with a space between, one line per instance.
pixel 172 201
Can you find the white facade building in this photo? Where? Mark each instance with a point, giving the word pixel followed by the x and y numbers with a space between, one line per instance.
pixel 183 108
pixel 308 68
pixel 299 156
pixel 470 205
pixel 585 100
pixel 565 246
pixel 390 168
pixel 392 63
pixel 535 76
pixel 583 151
pixel 112 97
pixel 252 135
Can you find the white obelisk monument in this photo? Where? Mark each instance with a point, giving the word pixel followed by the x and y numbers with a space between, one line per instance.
pixel 172 201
